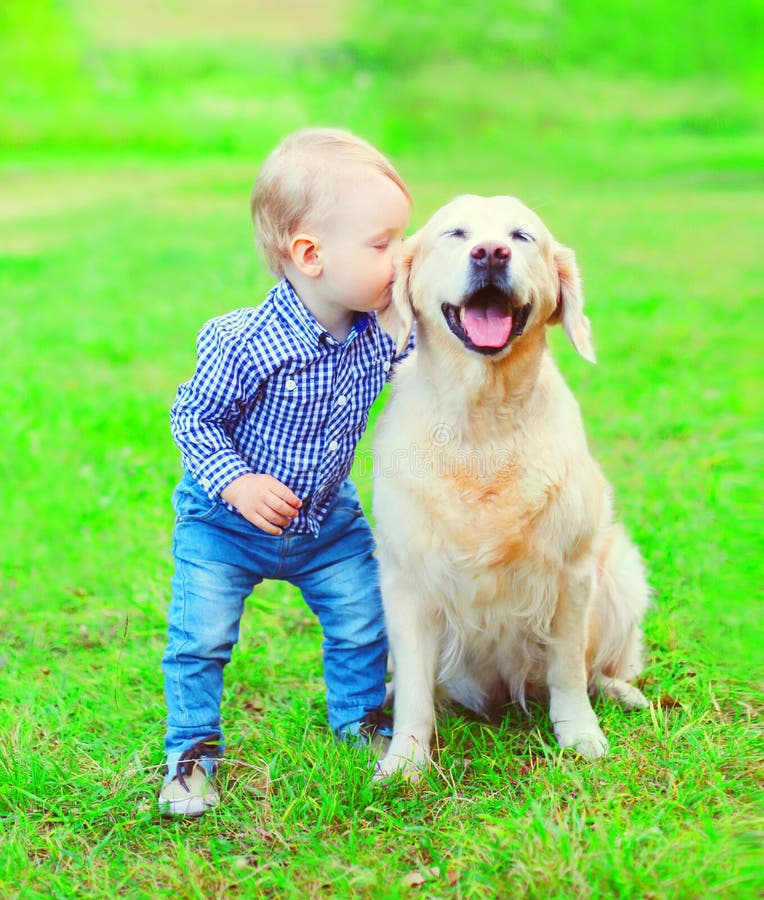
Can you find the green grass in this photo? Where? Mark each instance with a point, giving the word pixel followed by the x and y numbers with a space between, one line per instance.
pixel 125 168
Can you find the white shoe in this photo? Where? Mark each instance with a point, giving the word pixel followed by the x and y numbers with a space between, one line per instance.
pixel 192 790
pixel 189 795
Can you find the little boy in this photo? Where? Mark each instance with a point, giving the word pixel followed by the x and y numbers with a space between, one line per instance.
pixel 267 427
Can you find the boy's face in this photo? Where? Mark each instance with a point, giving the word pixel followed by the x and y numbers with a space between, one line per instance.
pixel 359 239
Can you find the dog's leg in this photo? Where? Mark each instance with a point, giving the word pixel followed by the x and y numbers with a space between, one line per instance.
pixel 415 639
pixel 615 638
pixel 623 693
pixel 575 724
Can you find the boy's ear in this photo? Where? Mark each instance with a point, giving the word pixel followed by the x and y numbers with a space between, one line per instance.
pixel 570 303
pixel 398 318
pixel 303 251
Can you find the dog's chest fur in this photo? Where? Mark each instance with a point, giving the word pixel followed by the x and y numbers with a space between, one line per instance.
pixel 490 499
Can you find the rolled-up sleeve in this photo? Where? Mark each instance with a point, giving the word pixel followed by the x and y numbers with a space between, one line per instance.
pixel 206 407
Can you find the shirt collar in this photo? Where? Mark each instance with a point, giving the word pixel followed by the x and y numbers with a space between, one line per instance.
pixel 361 323
pixel 296 313
pixel 304 322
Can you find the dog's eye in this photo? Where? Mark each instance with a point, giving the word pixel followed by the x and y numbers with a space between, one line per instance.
pixel 455 232
pixel 519 235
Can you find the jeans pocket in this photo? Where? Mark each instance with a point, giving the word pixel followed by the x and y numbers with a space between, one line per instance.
pixel 347 503
pixel 349 512
pixel 191 502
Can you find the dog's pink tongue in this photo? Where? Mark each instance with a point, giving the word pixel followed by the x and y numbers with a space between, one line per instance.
pixel 487 327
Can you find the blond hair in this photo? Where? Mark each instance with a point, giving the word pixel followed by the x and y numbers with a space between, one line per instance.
pixel 297 180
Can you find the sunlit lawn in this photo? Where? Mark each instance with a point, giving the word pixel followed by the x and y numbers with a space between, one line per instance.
pixel 122 228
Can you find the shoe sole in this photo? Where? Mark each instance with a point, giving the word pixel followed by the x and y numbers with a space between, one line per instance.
pixel 192 807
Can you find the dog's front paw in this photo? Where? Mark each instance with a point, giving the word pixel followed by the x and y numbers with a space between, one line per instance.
pixel 407 757
pixel 624 694
pixel 387 767
pixel 589 741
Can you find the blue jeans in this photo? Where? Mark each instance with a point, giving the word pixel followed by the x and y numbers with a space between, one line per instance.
pixel 219 558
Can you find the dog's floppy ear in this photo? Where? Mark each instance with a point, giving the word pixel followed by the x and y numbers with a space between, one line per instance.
pixel 398 318
pixel 570 303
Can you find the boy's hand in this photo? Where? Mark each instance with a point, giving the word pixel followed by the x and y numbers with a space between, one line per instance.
pixel 262 500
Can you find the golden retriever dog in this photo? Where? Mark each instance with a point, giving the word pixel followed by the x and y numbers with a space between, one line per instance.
pixel 504 574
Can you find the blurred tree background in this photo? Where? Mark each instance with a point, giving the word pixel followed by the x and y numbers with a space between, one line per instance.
pixel 198 78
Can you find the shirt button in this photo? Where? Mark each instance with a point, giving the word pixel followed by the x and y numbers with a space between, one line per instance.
pixel 342 400
pixel 334 447
pixel 386 366
pixel 291 384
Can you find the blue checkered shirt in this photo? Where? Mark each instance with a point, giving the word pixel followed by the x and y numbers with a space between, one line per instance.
pixel 275 393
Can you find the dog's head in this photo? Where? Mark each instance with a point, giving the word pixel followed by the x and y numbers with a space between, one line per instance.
pixel 485 271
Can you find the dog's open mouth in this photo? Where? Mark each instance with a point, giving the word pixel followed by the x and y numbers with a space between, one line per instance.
pixel 486 321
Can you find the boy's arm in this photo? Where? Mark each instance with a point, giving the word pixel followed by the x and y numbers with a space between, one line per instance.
pixel 205 408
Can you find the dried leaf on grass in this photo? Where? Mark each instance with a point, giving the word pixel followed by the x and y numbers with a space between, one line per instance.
pixel 419 876
pixel 534 762
pixel 666 701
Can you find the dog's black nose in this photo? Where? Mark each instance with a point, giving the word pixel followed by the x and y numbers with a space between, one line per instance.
pixel 490 255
